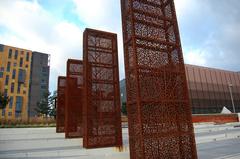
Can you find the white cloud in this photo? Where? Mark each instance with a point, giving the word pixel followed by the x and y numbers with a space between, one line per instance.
pixel 100 14
pixel 29 26
pixel 103 15
pixel 181 6
pixel 195 57
pixel 91 11
pixel 211 36
pixel 186 7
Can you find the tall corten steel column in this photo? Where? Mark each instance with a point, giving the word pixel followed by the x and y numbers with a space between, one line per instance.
pixel 60 113
pixel 159 113
pixel 102 118
pixel 74 99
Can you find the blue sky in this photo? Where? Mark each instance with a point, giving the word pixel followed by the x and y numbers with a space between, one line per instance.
pixel 210 29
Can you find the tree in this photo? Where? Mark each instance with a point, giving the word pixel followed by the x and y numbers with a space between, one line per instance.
pixel 43 105
pixel 46 106
pixel 53 98
pixel 4 100
pixel 124 108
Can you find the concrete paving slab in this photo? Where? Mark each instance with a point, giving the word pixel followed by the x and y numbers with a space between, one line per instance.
pixel 213 142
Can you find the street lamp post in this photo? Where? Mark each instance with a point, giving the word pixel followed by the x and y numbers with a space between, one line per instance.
pixel 230 90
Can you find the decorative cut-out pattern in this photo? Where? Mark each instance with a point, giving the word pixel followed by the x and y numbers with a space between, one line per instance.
pixel 159 112
pixel 102 121
pixel 74 99
pixel 60 113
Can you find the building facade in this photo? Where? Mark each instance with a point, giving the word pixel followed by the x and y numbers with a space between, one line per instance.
pixel 210 89
pixel 21 72
pixel 39 80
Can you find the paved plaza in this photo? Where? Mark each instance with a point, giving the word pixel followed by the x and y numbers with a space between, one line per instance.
pixel 213 142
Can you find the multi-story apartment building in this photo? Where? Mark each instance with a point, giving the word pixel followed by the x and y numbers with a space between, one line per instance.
pixel 24 76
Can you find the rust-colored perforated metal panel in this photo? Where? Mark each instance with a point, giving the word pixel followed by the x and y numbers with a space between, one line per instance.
pixel 159 112
pixel 60 113
pixel 74 104
pixel 102 117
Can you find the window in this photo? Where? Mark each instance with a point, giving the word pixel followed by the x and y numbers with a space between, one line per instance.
pixel 45 74
pixel 19 103
pixel 19 88
pixel 21 62
pixel 10 53
pixel 17 114
pixel 11 102
pixel 43 87
pixel 14 74
pixel 5 92
pixel 43 81
pixel 27 56
pixel 3 112
pixel 1 72
pixel 26 66
pixel 9 113
pixel 12 87
pixel 14 64
pixel 8 66
pixel 16 54
pixel 7 80
pixel 1 47
pixel 21 76
pixel 22 52
pixel 44 69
